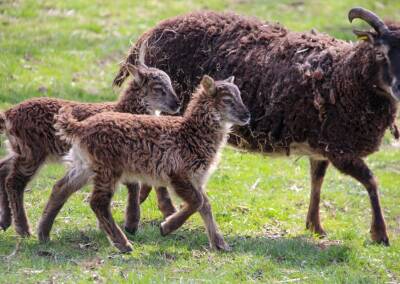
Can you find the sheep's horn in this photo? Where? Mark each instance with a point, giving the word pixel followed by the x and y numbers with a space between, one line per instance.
pixel 372 19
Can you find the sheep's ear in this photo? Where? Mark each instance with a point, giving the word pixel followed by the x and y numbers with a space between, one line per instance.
pixel 365 36
pixel 231 79
pixel 208 84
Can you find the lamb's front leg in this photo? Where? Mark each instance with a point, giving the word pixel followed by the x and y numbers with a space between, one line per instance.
pixel 214 236
pixel 5 211
pixel 193 201
pixel 132 213
pixel 104 186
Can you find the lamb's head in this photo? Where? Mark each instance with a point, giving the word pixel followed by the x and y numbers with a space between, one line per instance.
pixel 155 88
pixel 227 100
pixel 386 42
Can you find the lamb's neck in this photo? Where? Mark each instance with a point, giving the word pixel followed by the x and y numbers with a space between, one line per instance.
pixel 203 128
pixel 131 101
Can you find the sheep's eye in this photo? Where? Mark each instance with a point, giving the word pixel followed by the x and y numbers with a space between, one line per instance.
pixel 227 100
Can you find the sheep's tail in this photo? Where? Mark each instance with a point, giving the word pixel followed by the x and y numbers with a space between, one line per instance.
pixel 136 55
pixel 67 126
pixel 2 122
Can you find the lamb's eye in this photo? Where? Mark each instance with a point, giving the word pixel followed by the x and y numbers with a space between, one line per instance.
pixel 227 100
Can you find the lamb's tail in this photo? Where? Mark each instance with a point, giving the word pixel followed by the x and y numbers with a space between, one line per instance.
pixel 136 55
pixel 67 126
pixel 2 122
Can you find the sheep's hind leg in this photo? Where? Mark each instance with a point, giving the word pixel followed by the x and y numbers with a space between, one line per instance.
pixel 5 211
pixel 164 202
pixel 62 190
pixel 104 186
pixel 132 213
pixel 360 171
pixel 317 171
pixel 21 172
pixel 193 201
pixel 214 236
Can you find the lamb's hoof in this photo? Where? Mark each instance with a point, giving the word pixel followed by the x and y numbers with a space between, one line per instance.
pixel 124 248
pixel 380 238
pixel 164 229
pixel 23 232
pixel 316 230
pixel 131 229
pixel 220 244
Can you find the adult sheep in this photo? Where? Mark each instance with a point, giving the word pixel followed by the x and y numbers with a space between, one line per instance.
pixel 308 93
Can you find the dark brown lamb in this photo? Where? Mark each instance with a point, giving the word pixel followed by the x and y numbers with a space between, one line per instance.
pixel 29 127
pixel 178 152
pixel 308 93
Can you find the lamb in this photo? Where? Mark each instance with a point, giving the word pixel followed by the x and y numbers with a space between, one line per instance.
pixel 178 152
pixel 308 93
pixel 30 130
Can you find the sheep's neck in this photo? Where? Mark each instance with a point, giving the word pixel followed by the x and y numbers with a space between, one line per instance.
pixel 131 101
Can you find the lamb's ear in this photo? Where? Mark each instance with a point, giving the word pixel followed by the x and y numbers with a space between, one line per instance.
pixel 231 79
pixel 365 36
pixel 208 84
pixel 136 72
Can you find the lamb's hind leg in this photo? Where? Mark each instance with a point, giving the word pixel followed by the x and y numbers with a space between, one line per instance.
pixel 104 186
pixel 317 171
pixel 5 211
pixel 62 190
pixel 359 170
pixel 214 236
pixel 163 199
pixel 193 201
pixel 21 172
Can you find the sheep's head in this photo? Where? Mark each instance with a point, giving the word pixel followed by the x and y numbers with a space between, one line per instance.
pixel 387 44
pixel 156 88
pixel 227 100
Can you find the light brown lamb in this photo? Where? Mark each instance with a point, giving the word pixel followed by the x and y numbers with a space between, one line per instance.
pixel 29 127
pixel 177 152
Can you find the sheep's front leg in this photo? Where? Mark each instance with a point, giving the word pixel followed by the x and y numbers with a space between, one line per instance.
pixel 317 172
pixel 62 190
pixel 104 186
pixel 360 171
pixel 5 211
pixel 214 236
pixel 132 213
pixel 193 200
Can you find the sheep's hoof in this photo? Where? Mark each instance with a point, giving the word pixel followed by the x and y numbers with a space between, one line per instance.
pixel 43 238
pixel 220 244
pixel 124 248
pixel 131 229
pixel 380 238
pixel 23 232
pixel 5 224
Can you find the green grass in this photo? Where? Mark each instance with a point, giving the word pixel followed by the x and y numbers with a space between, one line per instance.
pixel 71 49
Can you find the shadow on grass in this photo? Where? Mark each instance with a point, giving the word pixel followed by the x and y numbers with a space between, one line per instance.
pixel 151 249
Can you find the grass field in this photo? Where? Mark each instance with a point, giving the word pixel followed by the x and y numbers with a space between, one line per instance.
pixel 71 49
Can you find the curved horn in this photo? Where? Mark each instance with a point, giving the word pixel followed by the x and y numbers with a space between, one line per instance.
pixel 372 19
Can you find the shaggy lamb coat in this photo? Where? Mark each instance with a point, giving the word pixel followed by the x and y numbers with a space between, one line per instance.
pixel 29 127
pixel 178 152
pixel 308 93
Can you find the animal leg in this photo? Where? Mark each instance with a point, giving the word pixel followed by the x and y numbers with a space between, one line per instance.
pixel 132 213
pixel 164 202
pixel 104 186
pixel 144 192
pixel 21 172
pixel 317 171
pixel 360 171
pixel 193 200
pixel 5 211
pixel 62 190
pixel 214 236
